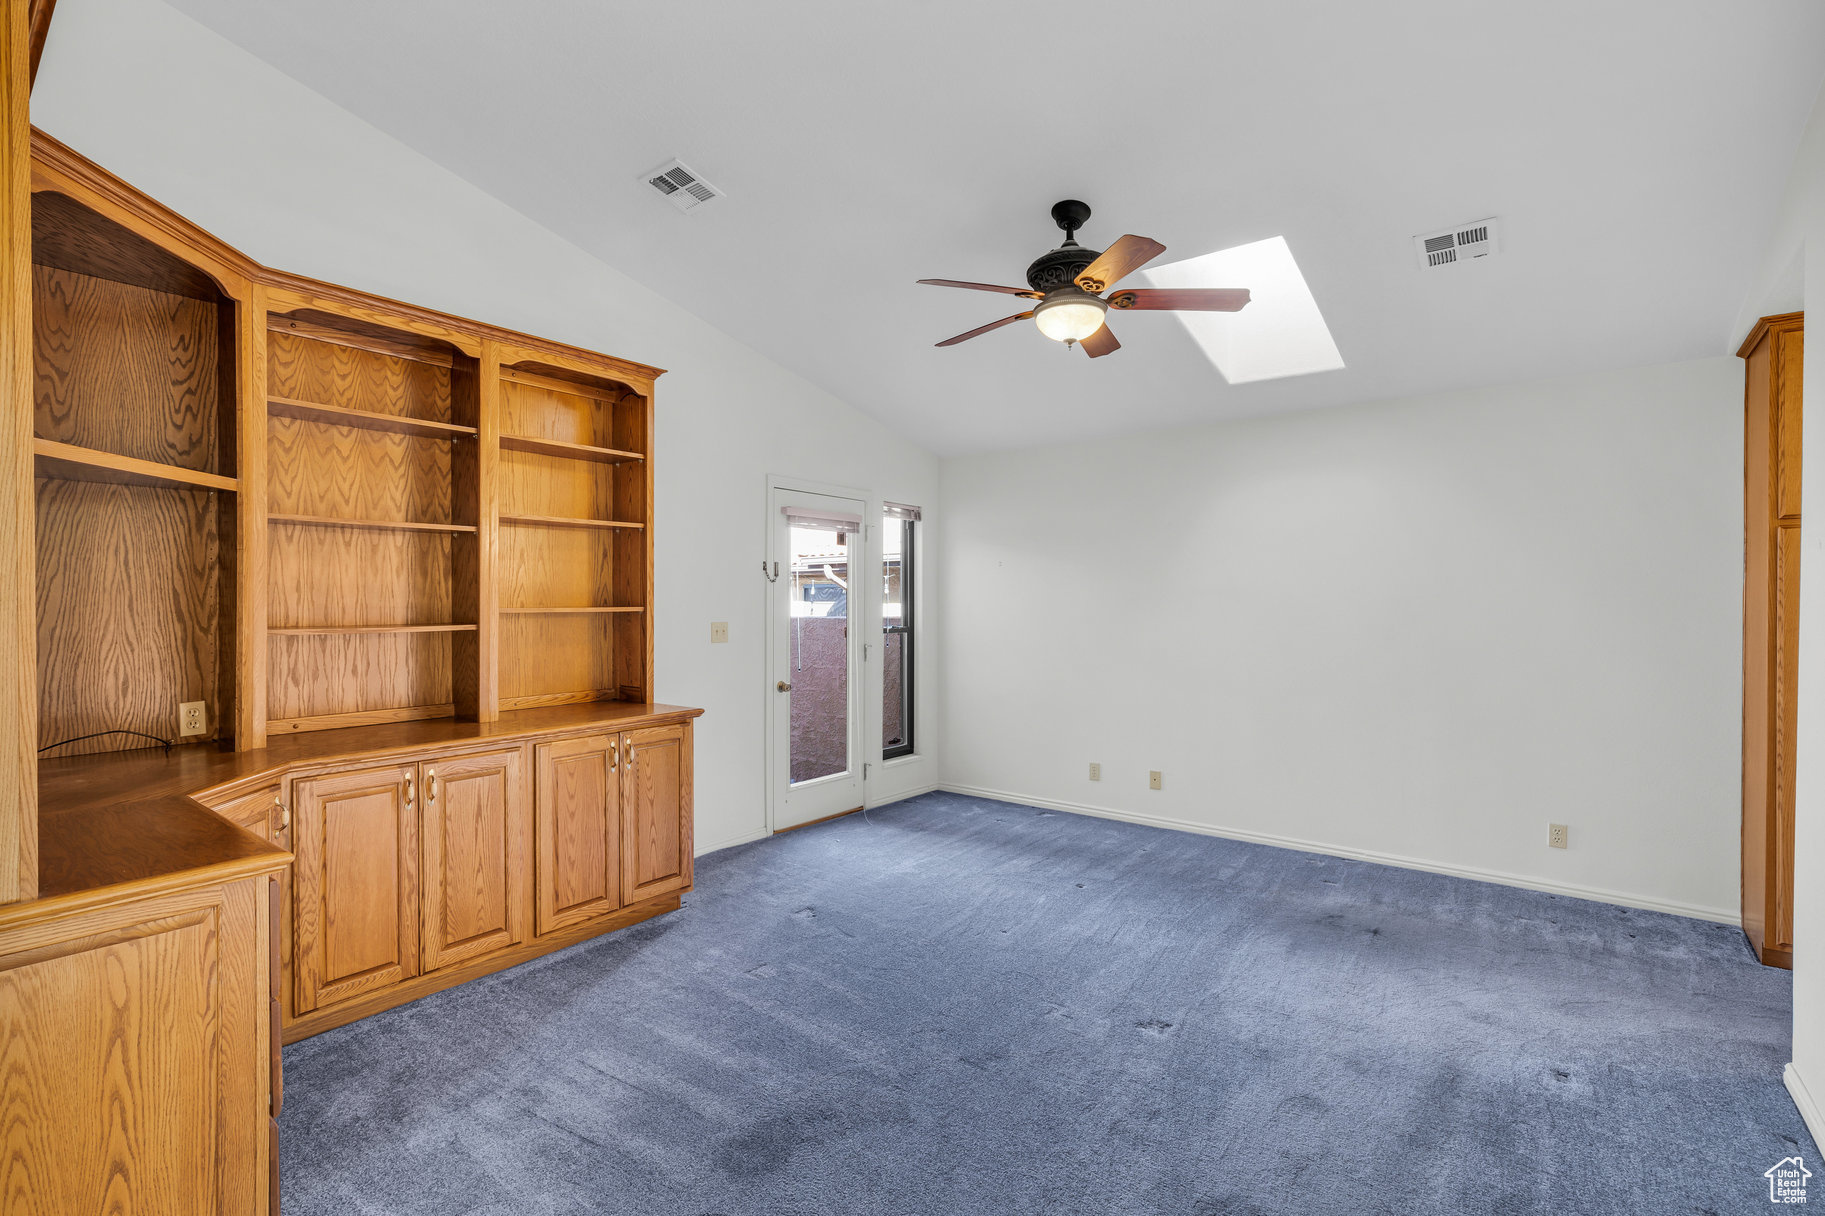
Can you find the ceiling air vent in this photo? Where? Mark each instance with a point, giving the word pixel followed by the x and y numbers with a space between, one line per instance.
pixel 681 186
pixel 1464 243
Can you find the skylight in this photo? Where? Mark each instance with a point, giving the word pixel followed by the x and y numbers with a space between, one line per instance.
pixel 1281 332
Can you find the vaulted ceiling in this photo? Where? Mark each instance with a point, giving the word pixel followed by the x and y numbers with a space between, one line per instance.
pixel 1633 149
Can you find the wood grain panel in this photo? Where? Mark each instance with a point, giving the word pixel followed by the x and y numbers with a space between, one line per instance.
pixel 128 591
pixel 543 655
pixel 355 908
pixel 531 484
pixel 558 567
pixel 70 237
pixel 474 847
pixel 326 674
pixel 1790 353
pixel 127 370
pixel 357 576
pixel 1786 735
pixel 577 845
pixel 352 473
pixel 537 410
pixel 129 1024
pixel 18 616
pixel 656 812
pixel 329 373
pixel 633 639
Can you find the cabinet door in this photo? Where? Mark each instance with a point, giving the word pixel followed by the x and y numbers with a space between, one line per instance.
pixel 474 851
pixel 136 1054
pixel 259 812
pixel 656 824
pixel 577 831
pixel 354 882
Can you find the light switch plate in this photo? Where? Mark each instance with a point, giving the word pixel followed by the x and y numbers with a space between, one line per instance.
pixel 1153 779
pixel 719 631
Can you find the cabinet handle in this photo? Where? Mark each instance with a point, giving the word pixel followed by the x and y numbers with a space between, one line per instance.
pixel 614 756
pixel 284 812
pixel 411 791
pixel 430 785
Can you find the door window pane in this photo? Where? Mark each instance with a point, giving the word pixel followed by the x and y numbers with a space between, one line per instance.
pixel 819 597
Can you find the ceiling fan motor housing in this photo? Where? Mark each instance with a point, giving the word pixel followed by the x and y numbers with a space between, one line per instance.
pixel 1060 267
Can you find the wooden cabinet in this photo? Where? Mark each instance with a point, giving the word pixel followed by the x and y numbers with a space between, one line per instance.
pixel 1773 356
pixel 138 1043
pixel 473 829
pixel 261 812
pixel 656 821
pixel 613 822
pixel 354 883
pixel 578 830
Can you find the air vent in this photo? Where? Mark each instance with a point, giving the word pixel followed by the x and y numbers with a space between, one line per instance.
pixel 682 187
pixel 1464 243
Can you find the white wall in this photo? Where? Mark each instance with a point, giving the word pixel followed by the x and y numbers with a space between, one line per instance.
pixel 1419 630
pixel 1796 256
pixel 301 184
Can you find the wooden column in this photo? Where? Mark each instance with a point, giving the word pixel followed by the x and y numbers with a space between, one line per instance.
pixel 250 534
pixel 18 561
pixel 1773 356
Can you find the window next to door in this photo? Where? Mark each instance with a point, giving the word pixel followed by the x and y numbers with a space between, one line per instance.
pixel 899 525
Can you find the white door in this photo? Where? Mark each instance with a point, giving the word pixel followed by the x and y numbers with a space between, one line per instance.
pixel 817 551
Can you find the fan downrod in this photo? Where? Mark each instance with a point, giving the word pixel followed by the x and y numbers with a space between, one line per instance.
pixel 1070 215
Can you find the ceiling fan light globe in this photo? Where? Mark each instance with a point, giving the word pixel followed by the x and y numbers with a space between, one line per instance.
pixel 1070 316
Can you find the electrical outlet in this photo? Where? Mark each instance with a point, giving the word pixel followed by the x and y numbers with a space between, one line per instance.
pixel 719 631
pixel 1153 779
pixel 1556 835
pixel 1096 771
pixel 192 719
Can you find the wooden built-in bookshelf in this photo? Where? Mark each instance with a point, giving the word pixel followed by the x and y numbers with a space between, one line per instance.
pixel 133 405
pixel 310 508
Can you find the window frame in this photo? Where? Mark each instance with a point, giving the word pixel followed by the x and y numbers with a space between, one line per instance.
pixel 908 744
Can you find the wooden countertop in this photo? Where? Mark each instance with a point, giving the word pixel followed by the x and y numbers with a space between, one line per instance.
pixel 124 824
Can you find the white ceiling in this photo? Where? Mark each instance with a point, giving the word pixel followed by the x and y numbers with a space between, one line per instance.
pixel 1634 150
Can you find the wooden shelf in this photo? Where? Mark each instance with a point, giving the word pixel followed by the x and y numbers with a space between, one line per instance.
pixel 569 451
pixel 336 415
pixel 390 525
pixel 565 521
pixel 67 462
pixel 562 611
pixel 344 629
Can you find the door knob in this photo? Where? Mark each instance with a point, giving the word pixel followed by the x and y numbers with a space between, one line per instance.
pixel 784 687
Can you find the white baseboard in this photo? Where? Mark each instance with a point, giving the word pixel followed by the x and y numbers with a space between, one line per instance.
pixel 1810 1110
pixel 730 842
pixel 903 795
pixel 1727 916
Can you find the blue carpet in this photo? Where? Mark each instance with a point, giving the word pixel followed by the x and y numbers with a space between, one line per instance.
pixel 966 1007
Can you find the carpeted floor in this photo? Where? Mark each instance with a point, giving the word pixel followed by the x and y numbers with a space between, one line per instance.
pixel 969 1008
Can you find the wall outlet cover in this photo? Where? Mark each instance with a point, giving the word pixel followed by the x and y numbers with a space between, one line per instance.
pixel 192 719
pixel 1096 771
pixel 1558 836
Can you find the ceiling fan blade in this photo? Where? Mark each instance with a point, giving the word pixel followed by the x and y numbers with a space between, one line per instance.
pixel 983 329
pixel 1012 291
pixel 1185 299
pixel 1118 261
pixel 1100 343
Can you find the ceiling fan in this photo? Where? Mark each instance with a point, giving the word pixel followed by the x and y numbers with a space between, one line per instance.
pixel 1069 280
